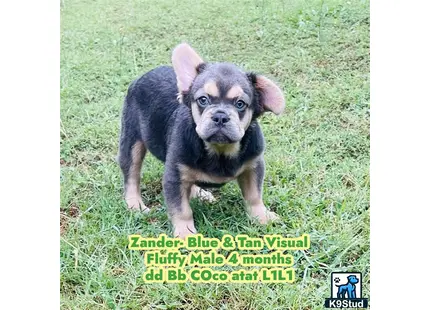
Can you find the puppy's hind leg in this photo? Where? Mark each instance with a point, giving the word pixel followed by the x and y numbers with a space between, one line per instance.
pixel 131 155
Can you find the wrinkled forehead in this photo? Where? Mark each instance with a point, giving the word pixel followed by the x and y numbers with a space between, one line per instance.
pixel 225 79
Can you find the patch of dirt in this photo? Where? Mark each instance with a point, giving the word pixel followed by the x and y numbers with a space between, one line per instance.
pixel 63 162
pixel 153 220
pixel 118 271
pixel 155 204
pixel 66 215
pixel 348 181
pixel 321 63
pixel 63 224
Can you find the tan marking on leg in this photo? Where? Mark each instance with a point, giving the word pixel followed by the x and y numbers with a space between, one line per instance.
pixel 200 193
pixel 253 198
pixel 182 221
pixel 132 188
pixel 234 92
pixel 211 89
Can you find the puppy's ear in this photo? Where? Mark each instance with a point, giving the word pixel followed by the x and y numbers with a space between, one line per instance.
pixel 185 62
pixel 271 96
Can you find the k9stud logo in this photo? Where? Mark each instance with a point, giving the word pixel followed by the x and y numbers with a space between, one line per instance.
pixel 346 289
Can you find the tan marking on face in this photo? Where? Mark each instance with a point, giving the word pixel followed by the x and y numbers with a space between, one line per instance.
pixel 211 89
pixel 234 92
pixel 203 119
pixel 132 186
pixel 195 112
pixel 242 124
pixel 193 175
pixel 246 119
pixel 228 150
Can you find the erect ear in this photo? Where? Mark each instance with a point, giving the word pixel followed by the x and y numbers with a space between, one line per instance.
pixel 185 62
pixel 271 95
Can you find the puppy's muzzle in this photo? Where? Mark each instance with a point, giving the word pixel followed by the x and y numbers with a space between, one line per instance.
pixel 220 118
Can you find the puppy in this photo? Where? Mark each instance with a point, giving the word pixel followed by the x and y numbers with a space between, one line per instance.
pixel 200 119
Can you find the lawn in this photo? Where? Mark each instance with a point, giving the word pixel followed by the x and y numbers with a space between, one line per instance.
pixel 317 152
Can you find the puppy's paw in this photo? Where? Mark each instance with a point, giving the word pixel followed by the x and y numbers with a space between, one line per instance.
pixel 263 215
pixel 136 203
pixel 183 228
pixel 202 194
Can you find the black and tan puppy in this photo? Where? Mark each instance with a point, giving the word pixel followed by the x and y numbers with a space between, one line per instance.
pixel 200 119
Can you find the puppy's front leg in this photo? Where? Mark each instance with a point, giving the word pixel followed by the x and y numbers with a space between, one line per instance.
pixel 177 195
pixel 251 184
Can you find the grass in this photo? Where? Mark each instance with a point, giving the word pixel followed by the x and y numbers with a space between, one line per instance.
pixel 317 153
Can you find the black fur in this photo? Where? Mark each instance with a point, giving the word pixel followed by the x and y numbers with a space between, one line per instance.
pixel 166 126
pixel 153 115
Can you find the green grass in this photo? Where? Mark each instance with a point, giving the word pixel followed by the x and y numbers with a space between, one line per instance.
pixel 317 153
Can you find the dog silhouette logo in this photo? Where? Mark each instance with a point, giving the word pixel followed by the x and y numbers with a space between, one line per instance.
pixel 346 290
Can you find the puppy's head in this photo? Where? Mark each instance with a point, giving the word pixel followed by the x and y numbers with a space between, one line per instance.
pixel 223 98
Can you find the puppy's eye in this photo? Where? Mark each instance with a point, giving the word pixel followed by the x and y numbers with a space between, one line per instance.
pixel 203 101
pixel 240 105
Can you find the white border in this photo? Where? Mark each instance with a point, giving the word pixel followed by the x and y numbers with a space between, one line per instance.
pixel 29 123
pixel 400 135
pixel 400 141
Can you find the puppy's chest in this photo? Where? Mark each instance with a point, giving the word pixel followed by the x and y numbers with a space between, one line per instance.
pixel 212 177
pixel 195 175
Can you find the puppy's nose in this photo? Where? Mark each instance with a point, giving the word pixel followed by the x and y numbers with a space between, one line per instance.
pixel 220 118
